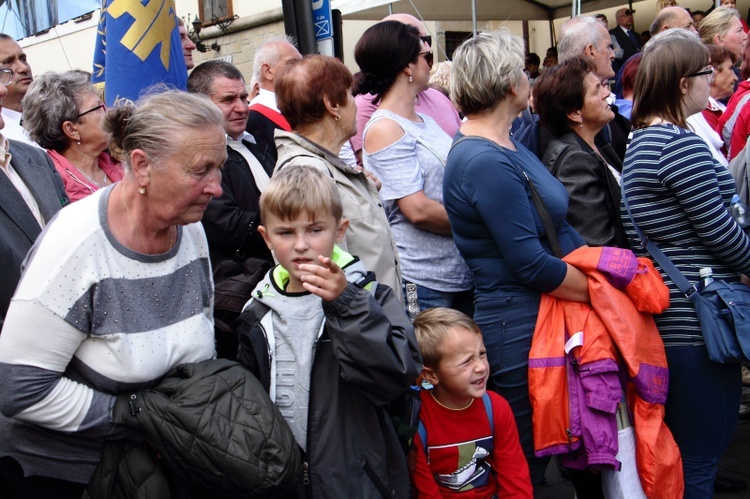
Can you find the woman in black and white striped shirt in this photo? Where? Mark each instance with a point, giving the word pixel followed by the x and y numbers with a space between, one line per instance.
pixel 679 197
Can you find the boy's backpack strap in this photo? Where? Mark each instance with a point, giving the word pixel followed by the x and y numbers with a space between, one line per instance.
pixel 488 410
pixel 422 431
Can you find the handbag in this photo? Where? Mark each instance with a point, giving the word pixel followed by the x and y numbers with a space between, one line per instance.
pixel 723 308
pixel 234 281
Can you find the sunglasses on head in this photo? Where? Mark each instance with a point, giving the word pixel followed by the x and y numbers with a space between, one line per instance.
pixel 427 39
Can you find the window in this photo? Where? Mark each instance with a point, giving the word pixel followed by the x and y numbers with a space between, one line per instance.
pixel 453 39
pixel 212 11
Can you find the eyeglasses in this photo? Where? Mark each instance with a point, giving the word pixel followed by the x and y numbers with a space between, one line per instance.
pixel 100 106
pixel 6 76
pixel 708 73
pixel 428 57
pixel 427 39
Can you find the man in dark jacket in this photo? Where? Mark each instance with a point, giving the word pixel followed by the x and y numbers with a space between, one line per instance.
pixel 628 39
pixel 31 192
pixel 246 171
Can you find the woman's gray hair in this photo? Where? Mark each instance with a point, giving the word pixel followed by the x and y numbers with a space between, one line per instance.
pixel 485 67
pixel 716 23
pixel 156 123
pixel 53 99
pixel 576 34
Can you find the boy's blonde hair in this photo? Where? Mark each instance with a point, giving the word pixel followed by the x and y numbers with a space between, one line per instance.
pixel 297 190
pixel 432 325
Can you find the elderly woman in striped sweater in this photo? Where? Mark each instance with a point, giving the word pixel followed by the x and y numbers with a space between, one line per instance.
pixel 116 292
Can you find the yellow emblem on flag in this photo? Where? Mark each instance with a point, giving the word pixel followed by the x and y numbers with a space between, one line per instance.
pixel 153 25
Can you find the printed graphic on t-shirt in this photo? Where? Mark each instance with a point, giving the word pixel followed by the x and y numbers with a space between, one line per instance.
pixel 464 465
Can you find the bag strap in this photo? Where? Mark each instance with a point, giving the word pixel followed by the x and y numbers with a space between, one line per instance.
pixel 673 272
pixel 422 431
pixel 549 227
pixel 541 209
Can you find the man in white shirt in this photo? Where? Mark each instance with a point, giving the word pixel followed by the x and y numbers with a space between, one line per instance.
pixel 12 56
pixel 265 117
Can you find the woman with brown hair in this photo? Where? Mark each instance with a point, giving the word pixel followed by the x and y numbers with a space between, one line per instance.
pixel 572 103
pixel 314 95
pixel 679 195
pixel 407 150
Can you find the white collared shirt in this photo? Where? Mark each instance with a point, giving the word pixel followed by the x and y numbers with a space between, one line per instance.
pixel 266 98
pixel 17 181
pixel 13 129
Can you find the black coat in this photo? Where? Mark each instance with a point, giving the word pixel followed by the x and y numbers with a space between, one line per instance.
pixel 366 356
pixel 594 194
pixel 629 47
pixel 214 428
pixel 227 217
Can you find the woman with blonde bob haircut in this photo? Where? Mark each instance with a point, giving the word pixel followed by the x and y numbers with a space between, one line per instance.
pixel 679 195
pixel 723 27
pixel 495 225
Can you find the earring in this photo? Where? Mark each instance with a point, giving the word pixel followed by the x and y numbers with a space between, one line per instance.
pixel 79 142
pixel 411 79
pixel 580 125
pixel 141 190
pixel 337 117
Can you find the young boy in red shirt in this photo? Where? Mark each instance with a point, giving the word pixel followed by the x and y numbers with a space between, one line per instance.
pixel 467 444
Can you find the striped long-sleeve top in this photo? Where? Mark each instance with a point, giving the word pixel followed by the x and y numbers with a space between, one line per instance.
pixel 91 319
pixel 679 196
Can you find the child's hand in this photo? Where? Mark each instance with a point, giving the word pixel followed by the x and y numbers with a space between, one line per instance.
pixel 327 281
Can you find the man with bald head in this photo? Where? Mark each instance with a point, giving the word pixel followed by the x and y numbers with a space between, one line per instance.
pixel 672 17
pixel 431 102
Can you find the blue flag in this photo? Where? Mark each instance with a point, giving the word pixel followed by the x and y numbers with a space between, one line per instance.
pixel 137 46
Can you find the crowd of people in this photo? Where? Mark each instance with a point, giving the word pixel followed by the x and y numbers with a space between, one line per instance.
pixel 422 226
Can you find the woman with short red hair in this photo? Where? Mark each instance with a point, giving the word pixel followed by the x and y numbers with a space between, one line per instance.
pixel 314 95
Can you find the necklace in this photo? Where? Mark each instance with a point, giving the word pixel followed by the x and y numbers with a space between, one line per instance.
pixel 138 234
pixel 450 408
pixel 104 182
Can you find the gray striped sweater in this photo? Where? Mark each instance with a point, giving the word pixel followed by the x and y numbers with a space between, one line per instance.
pixel 90 319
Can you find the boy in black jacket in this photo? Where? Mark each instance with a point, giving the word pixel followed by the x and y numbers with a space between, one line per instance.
pixel 332 346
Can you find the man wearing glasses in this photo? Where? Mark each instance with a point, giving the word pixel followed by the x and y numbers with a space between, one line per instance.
pixel 12 56
pixel 31 192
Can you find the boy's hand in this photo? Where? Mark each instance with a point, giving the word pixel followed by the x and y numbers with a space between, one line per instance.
pixel 327 281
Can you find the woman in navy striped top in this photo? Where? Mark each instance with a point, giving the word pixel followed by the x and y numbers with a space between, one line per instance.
pixel 679 197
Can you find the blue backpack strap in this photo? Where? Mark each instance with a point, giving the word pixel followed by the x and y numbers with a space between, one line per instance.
pixel 422 431
pixel 488 410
